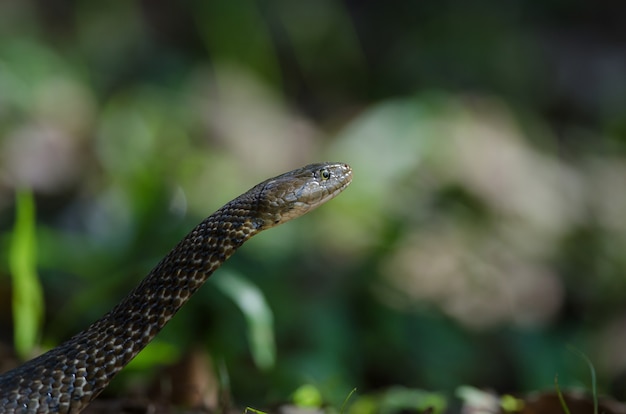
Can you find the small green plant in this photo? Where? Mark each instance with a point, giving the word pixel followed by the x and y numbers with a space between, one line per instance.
pixel 511 404
pixel 252 410
pixel 594 388
pixel 308 396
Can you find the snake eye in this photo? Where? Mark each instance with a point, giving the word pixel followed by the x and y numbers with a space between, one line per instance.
pixel 325 174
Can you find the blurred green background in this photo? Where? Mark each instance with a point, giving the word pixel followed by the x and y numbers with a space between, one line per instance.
pixel 485 229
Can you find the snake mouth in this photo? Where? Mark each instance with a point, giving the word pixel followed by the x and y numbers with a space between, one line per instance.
pixel 340 179
pixel 344 179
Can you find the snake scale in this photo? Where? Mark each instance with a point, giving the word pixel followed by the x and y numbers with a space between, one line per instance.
pixel 66 378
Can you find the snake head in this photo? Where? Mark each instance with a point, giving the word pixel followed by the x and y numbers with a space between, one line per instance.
pixel 297 192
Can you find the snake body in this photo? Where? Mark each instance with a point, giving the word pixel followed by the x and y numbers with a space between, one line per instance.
pixel 68 377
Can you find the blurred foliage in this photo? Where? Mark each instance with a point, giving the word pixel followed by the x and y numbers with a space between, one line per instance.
pixel 484 231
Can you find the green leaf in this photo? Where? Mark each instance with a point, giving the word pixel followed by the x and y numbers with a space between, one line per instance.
pixel 258 314
pixel 28 302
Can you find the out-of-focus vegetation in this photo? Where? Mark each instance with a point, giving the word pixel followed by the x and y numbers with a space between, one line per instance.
pixel 485 229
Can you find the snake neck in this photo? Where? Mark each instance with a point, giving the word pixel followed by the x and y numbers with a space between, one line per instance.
pixel 105 347
pixel 134 322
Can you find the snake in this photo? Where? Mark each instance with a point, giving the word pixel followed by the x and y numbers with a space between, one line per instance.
pixel 67 378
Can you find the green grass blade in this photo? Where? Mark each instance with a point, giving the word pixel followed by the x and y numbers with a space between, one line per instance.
pixel 560 395
pixel 343 406
pixel 28 302
pixel 594 387
pixel 259 316
pixel 252 410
